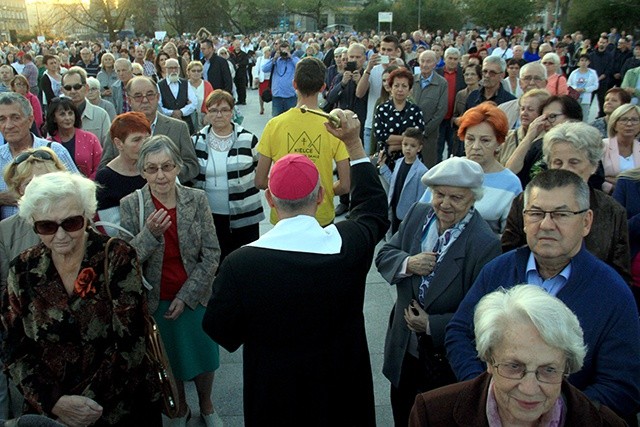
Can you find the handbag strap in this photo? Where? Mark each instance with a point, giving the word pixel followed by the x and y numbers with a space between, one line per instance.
pixel 273 68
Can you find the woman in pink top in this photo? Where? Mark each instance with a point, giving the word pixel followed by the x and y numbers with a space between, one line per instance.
pixel 622 148
pixel 20 84
pixel 63 125
pixel 556 82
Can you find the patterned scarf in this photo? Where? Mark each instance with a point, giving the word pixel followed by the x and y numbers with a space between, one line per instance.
pixel 440 244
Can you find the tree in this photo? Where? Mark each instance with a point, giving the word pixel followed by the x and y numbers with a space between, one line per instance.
pixel 594 16
pixel 500 13
pixel 102 16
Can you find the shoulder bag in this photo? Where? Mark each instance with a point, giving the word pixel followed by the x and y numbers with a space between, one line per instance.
pixel 267 96
pixel 163 379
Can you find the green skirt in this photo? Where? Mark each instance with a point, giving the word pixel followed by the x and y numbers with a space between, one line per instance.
pixel 190 350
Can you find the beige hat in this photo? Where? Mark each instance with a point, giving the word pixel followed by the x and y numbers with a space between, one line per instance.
pixel 455 172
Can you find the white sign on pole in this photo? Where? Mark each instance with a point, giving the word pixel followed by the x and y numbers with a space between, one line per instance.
pixel 385 16
pixel 160 35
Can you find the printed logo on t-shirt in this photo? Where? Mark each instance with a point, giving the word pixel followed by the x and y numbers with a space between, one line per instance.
pixel 304 144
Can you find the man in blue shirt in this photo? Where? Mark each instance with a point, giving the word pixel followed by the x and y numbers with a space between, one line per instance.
pixel 284 95
pixel 556 219
pixel 16 118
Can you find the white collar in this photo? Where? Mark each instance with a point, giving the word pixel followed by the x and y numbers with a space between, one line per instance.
pixel 301 233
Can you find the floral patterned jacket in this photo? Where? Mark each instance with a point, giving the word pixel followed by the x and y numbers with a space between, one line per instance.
pixel 84 344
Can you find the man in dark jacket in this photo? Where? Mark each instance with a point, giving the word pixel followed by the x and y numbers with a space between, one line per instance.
pixel 240 60
pixel 601 60
pixel 216 71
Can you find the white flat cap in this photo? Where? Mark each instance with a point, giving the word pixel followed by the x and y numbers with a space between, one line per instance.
pixel 455 172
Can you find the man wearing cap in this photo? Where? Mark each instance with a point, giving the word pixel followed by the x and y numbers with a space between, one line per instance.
pixel 432 260
pixel 305 133
pixel 294 298
pixel 556 219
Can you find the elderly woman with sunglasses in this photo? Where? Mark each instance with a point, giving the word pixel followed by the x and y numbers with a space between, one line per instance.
pixel 530 342
pixel 74 342
pixel 176 241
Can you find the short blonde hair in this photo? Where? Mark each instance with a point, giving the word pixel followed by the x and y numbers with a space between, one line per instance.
pixel 617 113
pixel 16 174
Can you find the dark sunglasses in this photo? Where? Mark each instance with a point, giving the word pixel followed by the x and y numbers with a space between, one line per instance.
pixel 47 228
pixel 76 86
pixel 38 154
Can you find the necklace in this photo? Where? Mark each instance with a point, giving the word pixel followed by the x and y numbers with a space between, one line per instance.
pixel 220 143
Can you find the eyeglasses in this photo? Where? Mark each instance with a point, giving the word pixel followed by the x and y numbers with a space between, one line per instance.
pixel 629 120
pixel 47 228
pixel 552 117
pixel 76 86
pixel 37 154
pixel 517 371
pixel 196 70
pixel 221 111
pixel 153 169
pixel 548 63
pixel 530 78
pixel 94 89
pixel 537 215
pixel 490 73
pixel 138 97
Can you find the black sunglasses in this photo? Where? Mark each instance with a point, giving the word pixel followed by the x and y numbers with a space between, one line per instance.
pixel 38 154
pixel 76 86
pixel 47 228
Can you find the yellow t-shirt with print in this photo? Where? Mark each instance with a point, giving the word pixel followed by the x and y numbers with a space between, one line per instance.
pixel 304 133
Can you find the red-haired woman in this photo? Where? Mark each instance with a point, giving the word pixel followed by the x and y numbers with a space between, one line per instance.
pixel 483 129
pixel 121 175
pixel 393 117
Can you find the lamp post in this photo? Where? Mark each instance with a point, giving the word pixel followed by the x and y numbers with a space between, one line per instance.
pixel 419 12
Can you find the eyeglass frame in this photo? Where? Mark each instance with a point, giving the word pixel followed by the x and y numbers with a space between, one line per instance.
pixel 524 372
pixel 75 87
pixel 154 169
pixel 140 97
pixel 552 117
pixel 60 224
pixel 554 215
pixel 629 120
pixel 26 155
pixel 220 112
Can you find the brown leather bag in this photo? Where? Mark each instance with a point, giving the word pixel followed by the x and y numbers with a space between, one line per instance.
pixel 156 354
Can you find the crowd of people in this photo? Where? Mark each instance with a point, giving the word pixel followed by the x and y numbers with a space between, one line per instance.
pixel 131 188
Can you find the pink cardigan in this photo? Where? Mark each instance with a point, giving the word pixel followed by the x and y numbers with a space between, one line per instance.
pixel 557 84
pixel 611 160
pixel 88 152
pixel 37 110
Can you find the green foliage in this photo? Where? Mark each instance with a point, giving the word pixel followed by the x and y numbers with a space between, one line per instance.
pixel 434 15
pixel 498 13
pixel 594 16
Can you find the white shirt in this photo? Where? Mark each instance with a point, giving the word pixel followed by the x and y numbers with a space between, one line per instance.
pixel 187 109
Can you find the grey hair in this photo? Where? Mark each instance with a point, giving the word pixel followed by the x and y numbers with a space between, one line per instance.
pixel 535 67
pixel 297 205
pixel 558 178
pixel 357 46
pixel 159 144
pixel 339 51
pixel 124 61
pixel 617 113
pixel 10 98
pixel 496 60
pixel 452 51
pixel 551 56
pixel 93 83
pixel 581 136
pixel 75 70
pixel 45 192
pixel 557 325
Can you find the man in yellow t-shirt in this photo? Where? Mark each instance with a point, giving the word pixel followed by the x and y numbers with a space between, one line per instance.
pixel 305 133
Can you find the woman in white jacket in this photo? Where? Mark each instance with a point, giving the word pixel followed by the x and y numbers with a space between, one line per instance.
pixel 263 77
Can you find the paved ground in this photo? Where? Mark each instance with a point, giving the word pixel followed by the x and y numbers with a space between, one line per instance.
pixel 227 387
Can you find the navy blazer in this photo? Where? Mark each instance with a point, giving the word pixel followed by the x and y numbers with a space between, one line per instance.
pixel 627 193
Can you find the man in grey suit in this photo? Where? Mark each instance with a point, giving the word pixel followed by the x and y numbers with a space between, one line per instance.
pixel 430 91
pixel 124 70
pixel 144 97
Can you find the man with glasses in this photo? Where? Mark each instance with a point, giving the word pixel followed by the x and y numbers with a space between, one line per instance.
pixel 556 220
pixel 16 118
pixel 493 68
pixel 144 98
pixel 94 119
pixel 532 76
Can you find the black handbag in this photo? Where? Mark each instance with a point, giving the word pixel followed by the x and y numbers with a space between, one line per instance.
pixel 267 96
pixel 436 365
